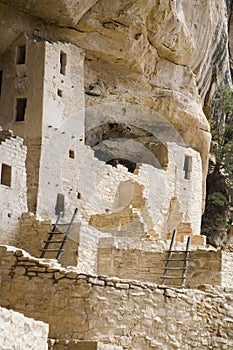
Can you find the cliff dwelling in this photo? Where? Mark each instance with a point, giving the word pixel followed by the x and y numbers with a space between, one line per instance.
pixel 104 152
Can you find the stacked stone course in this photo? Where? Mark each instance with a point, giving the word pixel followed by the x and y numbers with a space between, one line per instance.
pixel 148 265
pixel 120 312
pixel 34 233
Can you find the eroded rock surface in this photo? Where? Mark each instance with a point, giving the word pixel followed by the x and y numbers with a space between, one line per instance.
pixel 158 59
pixel 167 56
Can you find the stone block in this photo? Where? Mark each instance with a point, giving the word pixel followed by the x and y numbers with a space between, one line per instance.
pixel 18 331
pixel 198 240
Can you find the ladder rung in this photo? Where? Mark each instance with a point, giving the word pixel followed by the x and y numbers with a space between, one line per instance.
pixel 67 224
pixel 177 259
pixel 178 251
pixel 184 260
pixel 56 232
pixel 173 277
pixel 53 241
pixel 176 268
pixel 52 250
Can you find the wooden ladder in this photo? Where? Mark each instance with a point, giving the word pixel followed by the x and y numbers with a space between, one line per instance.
pixel 180 258
pixel 55 231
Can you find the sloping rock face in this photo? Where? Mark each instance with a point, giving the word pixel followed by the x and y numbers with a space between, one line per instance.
pixel 66 13
pixel 166 55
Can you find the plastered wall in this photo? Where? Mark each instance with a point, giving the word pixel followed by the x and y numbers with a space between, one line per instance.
pixel 115 201
pixel 63 122
pixel 13 194
pixel 24 81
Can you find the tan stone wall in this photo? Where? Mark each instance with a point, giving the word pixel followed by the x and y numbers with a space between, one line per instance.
pixel 21 333
pixel 204 266
pixel 33 234
pixel 127 313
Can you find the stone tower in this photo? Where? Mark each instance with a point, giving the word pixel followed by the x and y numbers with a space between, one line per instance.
pixel 41 85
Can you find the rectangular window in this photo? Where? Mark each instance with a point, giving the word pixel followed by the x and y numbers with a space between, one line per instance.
pixel 187 167
pixel 1 73
pixel 20 54
pixel 71 153
pixel 6 175
pixel 21 104
pixel 60 205
pixel 62 63
pixel 59 92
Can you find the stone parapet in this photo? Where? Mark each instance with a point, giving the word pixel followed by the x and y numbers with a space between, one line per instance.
pixel 205 266
pixel 120 312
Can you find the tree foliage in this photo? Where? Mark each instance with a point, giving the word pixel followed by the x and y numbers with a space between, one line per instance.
pixel 217 216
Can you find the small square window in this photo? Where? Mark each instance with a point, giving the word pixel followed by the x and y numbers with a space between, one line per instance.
pixel 20 54
pixel 187 167
pixel 71 154
pixel 59 92
pixel 6 175
pixel 21 104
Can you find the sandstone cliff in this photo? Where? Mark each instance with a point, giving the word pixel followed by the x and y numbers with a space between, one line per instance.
pixel 166 55
pixel 162 56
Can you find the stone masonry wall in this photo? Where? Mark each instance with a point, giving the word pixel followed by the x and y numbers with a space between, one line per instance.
pixel 34 233
pixel 204 266
pixel 127 313
pixel 21 333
